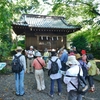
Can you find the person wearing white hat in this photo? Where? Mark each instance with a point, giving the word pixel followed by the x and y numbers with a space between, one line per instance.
pixel 38 64
pixel 30 57
pixel 19 77
pixel 72 71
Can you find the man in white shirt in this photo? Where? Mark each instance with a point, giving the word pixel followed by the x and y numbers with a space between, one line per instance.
pixel 72 71
pixel 30 58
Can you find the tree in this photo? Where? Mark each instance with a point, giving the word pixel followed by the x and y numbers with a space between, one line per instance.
pixel 9 12
pixel 80 42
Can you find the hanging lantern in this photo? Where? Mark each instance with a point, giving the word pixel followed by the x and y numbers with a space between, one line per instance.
pixel 46 37
pixel 62 39
pixel 57 37
pixel 41 37
pixel 52 38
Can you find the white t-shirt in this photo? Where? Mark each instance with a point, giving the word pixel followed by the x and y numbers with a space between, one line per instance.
pixel 30 53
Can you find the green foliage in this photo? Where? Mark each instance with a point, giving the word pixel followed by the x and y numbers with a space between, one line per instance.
pixel 5 70
pixel 80 42
pixel 4 51
pixel 19 43
pixel 95 48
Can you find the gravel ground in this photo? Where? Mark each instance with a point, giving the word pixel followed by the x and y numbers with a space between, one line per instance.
pixel 7 89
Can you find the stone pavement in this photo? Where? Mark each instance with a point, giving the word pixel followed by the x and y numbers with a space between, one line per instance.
pixel 7 90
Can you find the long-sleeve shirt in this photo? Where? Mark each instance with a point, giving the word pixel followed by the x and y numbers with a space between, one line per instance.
pixel 64 57
pixel 22 60
pixel 57 75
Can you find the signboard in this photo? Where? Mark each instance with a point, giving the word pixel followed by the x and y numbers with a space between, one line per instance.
pixel 2 65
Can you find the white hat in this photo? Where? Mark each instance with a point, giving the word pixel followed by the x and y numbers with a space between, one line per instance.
pixel 38 54
pixel 72 60
pixel 53 50
pixel 31 47
pixel 18 48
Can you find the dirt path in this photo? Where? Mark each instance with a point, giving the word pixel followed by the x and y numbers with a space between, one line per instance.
pixel 7 89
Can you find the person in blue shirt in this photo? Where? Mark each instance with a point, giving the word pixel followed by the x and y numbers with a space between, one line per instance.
pixel 63 57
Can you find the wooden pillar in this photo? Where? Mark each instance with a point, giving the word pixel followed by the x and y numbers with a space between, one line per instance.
pixel 64 41
pixel 37 42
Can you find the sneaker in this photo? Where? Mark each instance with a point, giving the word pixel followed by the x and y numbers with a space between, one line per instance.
pixel 59 94
pixel 51 96
pixel 17 94
pixel 22 94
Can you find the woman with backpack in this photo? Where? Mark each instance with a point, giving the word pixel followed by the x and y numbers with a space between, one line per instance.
pixel 57 76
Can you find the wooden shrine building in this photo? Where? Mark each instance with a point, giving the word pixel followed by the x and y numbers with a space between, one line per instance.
pixel 43 31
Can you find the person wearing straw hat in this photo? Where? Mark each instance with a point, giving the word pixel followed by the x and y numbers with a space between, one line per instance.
pixel 72 71
pixel 19 77
pixel 38 63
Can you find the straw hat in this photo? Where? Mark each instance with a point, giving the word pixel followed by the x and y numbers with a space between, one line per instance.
pixel 78 56
pixel 19 48
pixel 38 54
pixel 72 60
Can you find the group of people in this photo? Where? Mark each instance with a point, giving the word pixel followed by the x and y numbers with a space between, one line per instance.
pixel 68 63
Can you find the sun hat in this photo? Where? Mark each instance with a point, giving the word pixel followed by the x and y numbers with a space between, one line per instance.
pixel 19 48
pixel 53 50
pixel 38 54
pixel 72 60
pixel 31 47
pixel 78 56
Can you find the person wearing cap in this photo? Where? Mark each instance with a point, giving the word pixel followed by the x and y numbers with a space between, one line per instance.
pixel 57 76
pixel 19 77
pixel 72 71
pixel 38 63
pixel 30 58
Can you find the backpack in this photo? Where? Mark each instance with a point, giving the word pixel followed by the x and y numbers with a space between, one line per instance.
pixel 82 85
pixel 92 69
pixel 16 65
pixel 54 67
pixel 85 72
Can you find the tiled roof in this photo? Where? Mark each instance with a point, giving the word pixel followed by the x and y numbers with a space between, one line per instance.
pixel 42 21
pixel 30 23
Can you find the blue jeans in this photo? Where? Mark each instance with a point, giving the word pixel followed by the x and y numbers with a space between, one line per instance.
pixel 52 85
pixel 73 95
pixel 19 83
